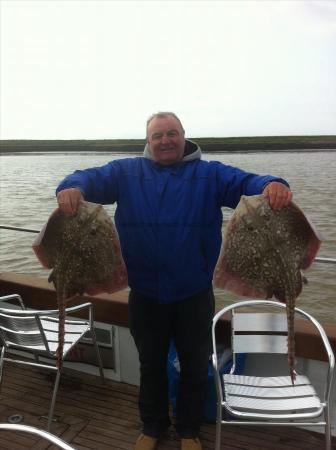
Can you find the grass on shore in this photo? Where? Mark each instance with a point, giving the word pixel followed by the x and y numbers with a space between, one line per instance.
pixel 224 144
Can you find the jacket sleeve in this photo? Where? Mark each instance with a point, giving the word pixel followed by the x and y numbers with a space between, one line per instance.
pixel 234 182
pixel 98 184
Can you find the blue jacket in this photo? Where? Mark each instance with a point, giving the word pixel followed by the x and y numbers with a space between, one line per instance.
pixel 169 219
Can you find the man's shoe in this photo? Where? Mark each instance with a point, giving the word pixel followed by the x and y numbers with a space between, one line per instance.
pixel 191 444
pixel 145 442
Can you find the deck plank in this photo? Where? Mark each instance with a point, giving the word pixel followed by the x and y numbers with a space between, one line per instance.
pixel 97 416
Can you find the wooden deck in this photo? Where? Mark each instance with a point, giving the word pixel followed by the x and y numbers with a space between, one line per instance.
pixel 92 415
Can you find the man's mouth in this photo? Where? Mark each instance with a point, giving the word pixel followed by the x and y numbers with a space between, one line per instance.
pixel 167 149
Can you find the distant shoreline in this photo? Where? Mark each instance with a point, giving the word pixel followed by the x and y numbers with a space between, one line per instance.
pixel 208 145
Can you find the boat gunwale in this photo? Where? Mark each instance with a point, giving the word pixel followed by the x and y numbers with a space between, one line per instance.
pixel 37 293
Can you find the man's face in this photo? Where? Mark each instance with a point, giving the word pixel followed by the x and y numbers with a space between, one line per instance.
pixel 165 139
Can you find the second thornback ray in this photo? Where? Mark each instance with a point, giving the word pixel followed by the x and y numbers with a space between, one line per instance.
pixel 263 253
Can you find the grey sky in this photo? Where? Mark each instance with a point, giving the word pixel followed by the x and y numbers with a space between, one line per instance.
pixel 97 69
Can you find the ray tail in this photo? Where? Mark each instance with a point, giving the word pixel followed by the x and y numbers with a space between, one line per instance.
pixel 61 327
pixel 290 311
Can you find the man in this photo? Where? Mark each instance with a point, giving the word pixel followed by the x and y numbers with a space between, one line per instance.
pixel 169 222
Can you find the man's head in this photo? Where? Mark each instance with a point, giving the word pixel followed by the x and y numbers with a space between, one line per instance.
pixel 165 138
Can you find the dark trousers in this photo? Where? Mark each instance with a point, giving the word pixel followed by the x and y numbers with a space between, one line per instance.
pixel 152 326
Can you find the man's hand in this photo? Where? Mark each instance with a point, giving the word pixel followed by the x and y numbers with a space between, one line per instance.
pixel 279 195
pixel 69 200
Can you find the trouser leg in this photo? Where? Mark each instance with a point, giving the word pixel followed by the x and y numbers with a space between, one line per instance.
pixel 192 335
pixel 150 326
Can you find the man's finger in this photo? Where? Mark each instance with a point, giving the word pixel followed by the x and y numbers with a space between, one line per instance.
pixel 69 199
pixel 278 194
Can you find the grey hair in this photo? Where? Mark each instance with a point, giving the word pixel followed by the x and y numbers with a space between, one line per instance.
pixel 163 115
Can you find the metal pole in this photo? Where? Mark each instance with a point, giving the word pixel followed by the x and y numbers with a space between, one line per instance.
pixel 18 229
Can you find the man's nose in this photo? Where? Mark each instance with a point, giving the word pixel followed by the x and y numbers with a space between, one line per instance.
pixel 164 139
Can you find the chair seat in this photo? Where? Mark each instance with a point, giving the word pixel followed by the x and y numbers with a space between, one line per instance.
pixel 271 395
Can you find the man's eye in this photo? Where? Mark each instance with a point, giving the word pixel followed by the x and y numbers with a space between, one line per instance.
pixel 156 136
pixel 172 133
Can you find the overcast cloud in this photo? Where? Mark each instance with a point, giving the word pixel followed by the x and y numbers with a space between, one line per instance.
pixel 98 69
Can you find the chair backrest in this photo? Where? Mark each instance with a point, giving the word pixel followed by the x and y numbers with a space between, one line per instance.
pixel 261 331
pixel 37 330
pixel 22 331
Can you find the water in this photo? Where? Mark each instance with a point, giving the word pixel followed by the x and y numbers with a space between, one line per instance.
pixel 27 189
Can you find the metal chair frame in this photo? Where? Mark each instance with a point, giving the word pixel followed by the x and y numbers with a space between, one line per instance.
pixel 36 332
pixel 252 400
pixel 37 432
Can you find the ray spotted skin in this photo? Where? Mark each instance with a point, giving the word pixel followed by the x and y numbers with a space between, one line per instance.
pixel 263 253
pixel 83 251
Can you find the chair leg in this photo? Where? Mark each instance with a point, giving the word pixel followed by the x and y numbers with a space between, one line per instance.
pixel 327 428
pixel 1 364
pixel 218 430
pixel 100 363
pixel 53 400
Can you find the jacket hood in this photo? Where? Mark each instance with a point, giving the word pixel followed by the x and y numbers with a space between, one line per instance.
pixel 191 151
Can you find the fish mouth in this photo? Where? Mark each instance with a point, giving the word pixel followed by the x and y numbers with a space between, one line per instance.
pixel 247 206
pixel 244 206
pixel 251 202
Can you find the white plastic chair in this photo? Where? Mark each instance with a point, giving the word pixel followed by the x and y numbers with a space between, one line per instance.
pixel 267 400
pixel 36 332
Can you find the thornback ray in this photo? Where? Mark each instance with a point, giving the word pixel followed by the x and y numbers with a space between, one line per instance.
pixel 84 254
pixel 263 253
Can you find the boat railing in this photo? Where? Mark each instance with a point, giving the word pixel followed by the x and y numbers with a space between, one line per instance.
pixel 27 230
pixel 322 259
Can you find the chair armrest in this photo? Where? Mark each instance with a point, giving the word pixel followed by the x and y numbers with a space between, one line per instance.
pixel 79 307
pixel 216 378
pixel 15 297
pixel 70 310
pixel 46 312
pixel 327 348
pixel 52 314
pixel 36 431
